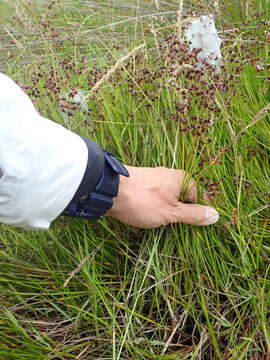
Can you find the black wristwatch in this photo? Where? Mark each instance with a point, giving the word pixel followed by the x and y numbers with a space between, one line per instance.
pixel 99 185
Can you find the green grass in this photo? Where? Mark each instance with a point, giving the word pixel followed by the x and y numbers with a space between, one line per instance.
pixel 108 291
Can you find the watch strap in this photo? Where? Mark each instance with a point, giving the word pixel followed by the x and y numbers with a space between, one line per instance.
pixel 97 201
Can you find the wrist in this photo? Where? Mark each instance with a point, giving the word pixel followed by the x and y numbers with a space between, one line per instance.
pixel 123 193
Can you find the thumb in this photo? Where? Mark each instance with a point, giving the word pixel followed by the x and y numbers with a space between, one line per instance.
pixel 195 214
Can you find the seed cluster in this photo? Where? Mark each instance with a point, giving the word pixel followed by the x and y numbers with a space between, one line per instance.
pixel 165 87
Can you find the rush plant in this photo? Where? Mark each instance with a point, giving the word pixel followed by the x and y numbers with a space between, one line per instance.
pixel 122 73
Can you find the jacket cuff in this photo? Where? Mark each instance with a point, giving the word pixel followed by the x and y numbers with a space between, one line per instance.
pixel 93 171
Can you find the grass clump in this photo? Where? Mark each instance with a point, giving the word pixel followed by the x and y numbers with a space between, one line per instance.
pixel 108 291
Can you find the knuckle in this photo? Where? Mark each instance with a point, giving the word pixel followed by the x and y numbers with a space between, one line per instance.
pixel 174 214
pixel 163 169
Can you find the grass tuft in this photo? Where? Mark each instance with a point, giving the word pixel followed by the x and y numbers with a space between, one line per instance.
pixel 108 291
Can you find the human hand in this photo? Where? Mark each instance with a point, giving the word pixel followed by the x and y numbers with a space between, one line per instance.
pixel 150 198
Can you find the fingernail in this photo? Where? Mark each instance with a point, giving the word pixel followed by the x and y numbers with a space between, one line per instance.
pixel 211 216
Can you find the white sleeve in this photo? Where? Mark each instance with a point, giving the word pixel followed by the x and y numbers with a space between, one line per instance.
pixel 41 162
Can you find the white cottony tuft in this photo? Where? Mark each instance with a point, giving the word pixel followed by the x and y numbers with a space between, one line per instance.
pixel 202 34
pixel 78 98
pixel 74 96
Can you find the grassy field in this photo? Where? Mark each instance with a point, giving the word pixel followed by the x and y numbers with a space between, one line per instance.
pixel 105 290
